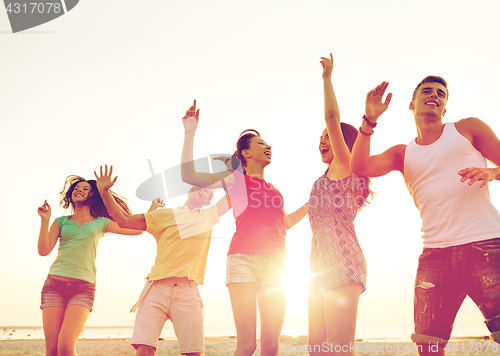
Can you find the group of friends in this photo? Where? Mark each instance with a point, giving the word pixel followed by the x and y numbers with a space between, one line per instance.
pixel 446 173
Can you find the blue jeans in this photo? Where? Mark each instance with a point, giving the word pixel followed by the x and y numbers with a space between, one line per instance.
pixel 445 276
pixel 62 294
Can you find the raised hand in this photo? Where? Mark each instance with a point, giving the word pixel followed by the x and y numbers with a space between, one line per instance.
pixel 374 105
pixel 104 181
pixel 474 174
pixel 155 204
pixel 190 120
pixel 327 64
pixel 44 211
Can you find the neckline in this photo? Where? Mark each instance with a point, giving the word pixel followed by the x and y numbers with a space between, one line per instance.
pixel 252 177
pixel 78 223
pixel 337 180
pixel 439 138
pixel 185 208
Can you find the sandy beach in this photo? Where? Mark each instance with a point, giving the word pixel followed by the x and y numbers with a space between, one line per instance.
pixel 223 346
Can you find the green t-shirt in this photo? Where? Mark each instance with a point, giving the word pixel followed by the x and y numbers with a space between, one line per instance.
pixel 77 249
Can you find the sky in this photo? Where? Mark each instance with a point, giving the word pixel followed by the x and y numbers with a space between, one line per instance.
pixel 109 82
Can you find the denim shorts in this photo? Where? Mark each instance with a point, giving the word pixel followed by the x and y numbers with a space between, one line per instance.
pixel 62 294
pixel 258 269
pixel 445 276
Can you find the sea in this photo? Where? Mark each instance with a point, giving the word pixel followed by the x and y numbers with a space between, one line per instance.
pixel 374 334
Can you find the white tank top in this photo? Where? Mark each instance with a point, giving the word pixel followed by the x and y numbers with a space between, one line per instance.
pixel 453 213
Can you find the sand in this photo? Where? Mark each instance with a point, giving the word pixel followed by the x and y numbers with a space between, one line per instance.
pixel 223 346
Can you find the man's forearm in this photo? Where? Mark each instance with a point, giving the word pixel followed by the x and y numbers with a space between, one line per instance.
pixel 361 151
pixel 118 214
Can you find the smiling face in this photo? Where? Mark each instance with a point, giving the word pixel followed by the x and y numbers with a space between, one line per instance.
pixel 325 147
pixel 199 197
pixel 81 192
pixel 258 151
pixel 430 99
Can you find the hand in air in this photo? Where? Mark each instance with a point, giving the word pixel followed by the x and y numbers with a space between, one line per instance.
pixel 327 64
pixel 374 105
pixel 155 204
pixel 104 181
pixel 190 120
pixel 44 211
pixel 474 174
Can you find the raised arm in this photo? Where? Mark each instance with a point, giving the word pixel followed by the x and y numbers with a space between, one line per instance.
pixel 134 220
pixel 296 216
pixel 391 160
pixel 137 229
pixel 223 205
pixel 484 140
pixel 188 172
pixel 47 239
pixel 124 223
pixel 155 204
pixel 226 160
pixel 332 117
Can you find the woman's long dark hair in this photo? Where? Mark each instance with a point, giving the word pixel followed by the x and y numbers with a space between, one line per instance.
pixel 243 143
pixel 94 200
pixel 350 134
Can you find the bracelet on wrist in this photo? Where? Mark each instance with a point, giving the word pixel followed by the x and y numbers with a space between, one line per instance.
pixel 364 133
pixel 227 159
pixel 371 124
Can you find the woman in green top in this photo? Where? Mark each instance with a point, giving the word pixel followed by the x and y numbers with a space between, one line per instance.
pixel 68 292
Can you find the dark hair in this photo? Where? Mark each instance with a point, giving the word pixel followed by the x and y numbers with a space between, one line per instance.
pixel 243 143
pixel 432 79
pixel 350 134
pixel 94 200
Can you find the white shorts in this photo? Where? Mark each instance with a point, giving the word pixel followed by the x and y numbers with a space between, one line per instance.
pixel 179 302
pixel 265 270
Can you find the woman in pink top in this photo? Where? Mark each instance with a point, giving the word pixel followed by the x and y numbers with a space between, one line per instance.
pixel 255 265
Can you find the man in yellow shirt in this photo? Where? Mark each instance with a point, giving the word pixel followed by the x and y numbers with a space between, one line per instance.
pixel 171 291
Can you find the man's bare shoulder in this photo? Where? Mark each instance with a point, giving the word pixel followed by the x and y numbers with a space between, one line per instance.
pixel 468 126
pixel 468 122
pixel 397 151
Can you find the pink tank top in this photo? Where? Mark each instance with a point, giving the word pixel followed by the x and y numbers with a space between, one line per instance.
pixel 453 213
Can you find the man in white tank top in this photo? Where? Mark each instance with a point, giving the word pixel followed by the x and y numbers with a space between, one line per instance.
pixel 446 173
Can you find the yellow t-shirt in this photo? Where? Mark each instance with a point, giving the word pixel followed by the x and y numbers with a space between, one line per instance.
pixel 183 238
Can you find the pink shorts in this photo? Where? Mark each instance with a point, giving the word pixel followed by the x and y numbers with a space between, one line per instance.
pixel 179 302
